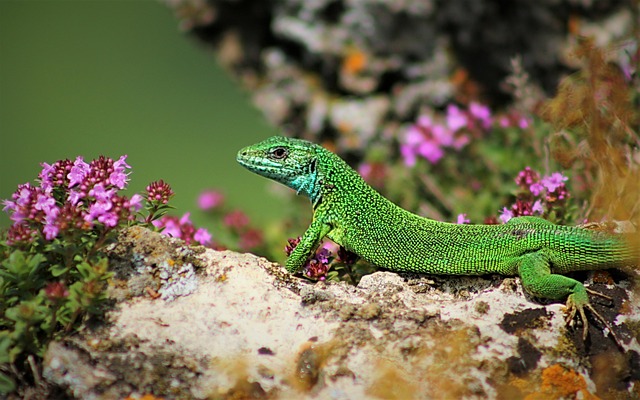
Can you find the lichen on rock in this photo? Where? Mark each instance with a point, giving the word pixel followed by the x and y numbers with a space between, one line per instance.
pixel 248 329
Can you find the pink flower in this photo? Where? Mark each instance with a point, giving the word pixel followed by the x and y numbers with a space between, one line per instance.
pixel 185 219
pixel 482 113
pixel 79 170
pixel 51 227
pixel 553 181
pixel 118 177
pixel 456 119
pixel 44 203
pixel 136 202
pixel 236 219
pixel 100 193
pixel 170 227
pixel 537 207
pixel 209 200
pixel 523 123
pixel 109 219
pixel 74 197
pixel 536 188
pixel 9 205
pixel 408 155
pixel 202 236
pixel 430 150
pixel 506 215
pixel 462 219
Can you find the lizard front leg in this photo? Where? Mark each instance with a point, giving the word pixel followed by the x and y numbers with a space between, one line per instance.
pixel 538 280
pixel 308 244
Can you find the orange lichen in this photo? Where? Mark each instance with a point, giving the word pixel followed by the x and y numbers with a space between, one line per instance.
pixel 310 362
pixel 603 277
pixel 354 62
pixel 391 383
pixel 559 382
pixel 144 397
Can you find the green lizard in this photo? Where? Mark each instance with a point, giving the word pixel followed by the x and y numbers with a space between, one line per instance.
pixel 352 214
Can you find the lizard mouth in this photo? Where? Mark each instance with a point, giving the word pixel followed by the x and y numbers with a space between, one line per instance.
pixel 263 165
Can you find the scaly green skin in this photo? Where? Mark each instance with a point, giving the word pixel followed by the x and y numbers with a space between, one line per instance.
pixel 352 214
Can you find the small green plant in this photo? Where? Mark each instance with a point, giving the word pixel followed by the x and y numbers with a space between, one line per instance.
pixel 53 262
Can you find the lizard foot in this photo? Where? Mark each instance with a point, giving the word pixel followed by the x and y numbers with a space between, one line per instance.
pixel 578 306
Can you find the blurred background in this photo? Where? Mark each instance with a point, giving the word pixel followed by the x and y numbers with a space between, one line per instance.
pixel 111 78
pixel 440 105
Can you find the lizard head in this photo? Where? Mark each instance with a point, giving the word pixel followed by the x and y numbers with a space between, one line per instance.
pixel 292 162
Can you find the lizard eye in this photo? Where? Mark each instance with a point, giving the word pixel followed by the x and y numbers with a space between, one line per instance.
pixel 278 153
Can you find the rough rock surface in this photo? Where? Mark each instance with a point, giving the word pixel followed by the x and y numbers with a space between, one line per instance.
pixel 238 326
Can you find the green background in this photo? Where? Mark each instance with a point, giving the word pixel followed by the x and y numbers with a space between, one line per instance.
pixel 119 77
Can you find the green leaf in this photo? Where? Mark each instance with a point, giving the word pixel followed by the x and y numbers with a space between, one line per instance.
pixel 85 270
pixel 7 385
pixel 58 270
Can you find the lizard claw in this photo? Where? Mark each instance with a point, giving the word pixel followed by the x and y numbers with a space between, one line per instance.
pixel 574 307
pixel 593 292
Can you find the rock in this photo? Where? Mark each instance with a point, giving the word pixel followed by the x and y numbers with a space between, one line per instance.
pixel 248 329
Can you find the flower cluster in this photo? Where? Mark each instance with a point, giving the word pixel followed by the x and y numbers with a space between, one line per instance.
pixel 238 223
pixel 70 195
pixel 537 195
pixel 429 139
pixel 235 227
pixel 318 266
pixel 182 228
pixel 159 192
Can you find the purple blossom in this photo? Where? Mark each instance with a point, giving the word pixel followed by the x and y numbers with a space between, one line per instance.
pixel 97 209
pixel 185 219
pixel 170 227
pixel 430 150
pixel 74 197
pixel 323 256
pixel 23 197
pixel 109 219
pixel 555 180
pixel 136 202
pixel 101 194
pixel 408 155
pixel 506 215
pixel 8 205
pixel 50 231
pixel 462 219
pixel 456 119
pixel 527 177
pixel 536 188
pixel 78 172
pixel 537 207
pixel 316 270
pixel 44 202
pixel 202 236
pixel 45 175
pixel 209 200
pixel 481 113
pixel 118 177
